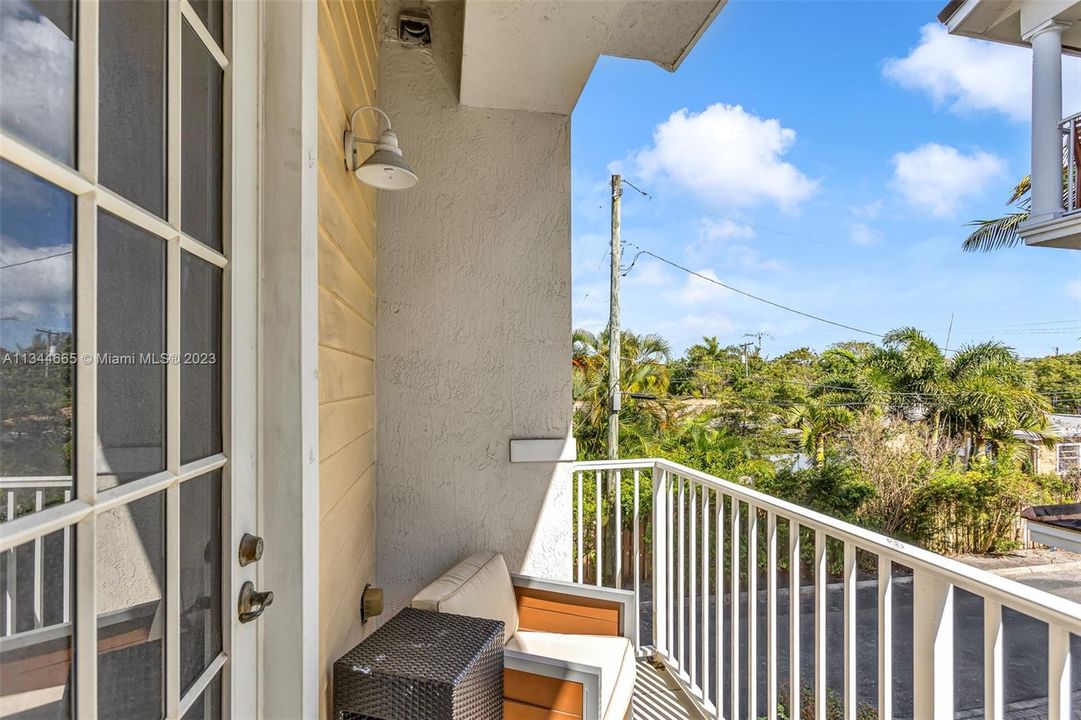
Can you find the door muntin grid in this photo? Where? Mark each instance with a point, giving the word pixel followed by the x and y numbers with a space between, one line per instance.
pixel 101 572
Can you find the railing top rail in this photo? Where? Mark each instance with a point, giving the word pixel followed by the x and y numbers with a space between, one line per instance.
pixel 35 481
pixel 586 465
pixel 1071 119
pixel 1039 604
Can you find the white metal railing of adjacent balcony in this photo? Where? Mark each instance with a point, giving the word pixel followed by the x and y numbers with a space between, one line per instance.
pixel 690 534
pixel 1071 153
pixel 18 496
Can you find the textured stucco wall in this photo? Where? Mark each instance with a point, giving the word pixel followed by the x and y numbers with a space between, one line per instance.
pixel 473 326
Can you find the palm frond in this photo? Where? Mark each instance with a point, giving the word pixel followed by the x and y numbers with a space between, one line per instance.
pixel 995 234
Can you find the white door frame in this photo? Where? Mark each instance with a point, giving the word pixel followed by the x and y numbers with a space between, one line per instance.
pixel 240 502
pixel 290 676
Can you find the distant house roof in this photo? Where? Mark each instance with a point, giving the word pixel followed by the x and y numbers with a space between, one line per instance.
pixel 1064 427
pixel 1055 525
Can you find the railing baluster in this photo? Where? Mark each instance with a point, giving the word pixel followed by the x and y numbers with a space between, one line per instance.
pixel 681 568
pixel 637 552
pixel 795 687
pixel 735 657
pixel 661 566
pixel 578 514
pixel 1058 673
pixel 598 538
pixel 885 638
pixel 9 558
pixel 692 566
pixel 752 611
pixel 39 580
pixel 820 625
pixel 849 619
pixel 705 595
pixel 718 609
pixel 66 584
pixel 618 499
pixel 771 616
pixel 992 660
pixel 669 521
pixel 932 646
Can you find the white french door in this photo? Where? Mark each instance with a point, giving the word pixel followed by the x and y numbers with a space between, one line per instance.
pixel 127 352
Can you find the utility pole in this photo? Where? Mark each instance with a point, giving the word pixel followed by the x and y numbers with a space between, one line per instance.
pixel 614 397
pixel 758 340
pixel 743 347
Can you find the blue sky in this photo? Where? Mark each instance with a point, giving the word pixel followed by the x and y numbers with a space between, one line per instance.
pixel 826 156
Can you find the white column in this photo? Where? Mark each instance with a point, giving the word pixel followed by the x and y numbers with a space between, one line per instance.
pixel 1046 115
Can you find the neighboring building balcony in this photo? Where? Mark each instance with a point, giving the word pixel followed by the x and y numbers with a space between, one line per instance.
pixel 877 628
pixel 1063 229
pixel 1071 134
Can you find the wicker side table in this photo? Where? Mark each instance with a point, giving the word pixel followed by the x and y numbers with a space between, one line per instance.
pixel 423 665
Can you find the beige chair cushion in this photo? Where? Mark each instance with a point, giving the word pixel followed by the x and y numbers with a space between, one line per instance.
pixel 614 656
pixel 479 586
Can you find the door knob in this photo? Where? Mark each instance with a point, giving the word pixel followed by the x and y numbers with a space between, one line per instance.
pixel 251 549
pixel 252 604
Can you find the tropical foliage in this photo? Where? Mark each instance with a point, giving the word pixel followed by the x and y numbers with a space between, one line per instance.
pixel 899 436
pixel 1001 232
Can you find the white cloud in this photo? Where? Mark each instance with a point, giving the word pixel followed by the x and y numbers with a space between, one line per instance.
pixel 698 290
pixel 29 40
pixel 725 229
pixel 863 234
pixel 870 211
pixel 723 237
pixel 36 294
pixel 648 273
pixel 727 157
pixel 938 178
pixel 696 325
pixel 968 76
pixel 1073 290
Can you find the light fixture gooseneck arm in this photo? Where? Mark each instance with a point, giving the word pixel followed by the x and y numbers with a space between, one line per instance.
pixel 353 120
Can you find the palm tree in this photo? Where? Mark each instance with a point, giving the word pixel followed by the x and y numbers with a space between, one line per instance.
pixel 991 395
pixel 1001 232
pixel 643 371
pixel 818 421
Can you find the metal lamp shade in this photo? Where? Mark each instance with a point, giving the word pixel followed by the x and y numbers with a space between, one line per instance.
pixel 387 170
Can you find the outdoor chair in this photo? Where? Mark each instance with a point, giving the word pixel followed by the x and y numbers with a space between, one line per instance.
pixel 568 646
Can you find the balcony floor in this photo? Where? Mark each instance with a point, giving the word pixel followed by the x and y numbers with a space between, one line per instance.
pixel 657 697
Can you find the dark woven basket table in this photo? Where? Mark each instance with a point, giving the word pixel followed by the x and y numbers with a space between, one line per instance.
pixel 423 665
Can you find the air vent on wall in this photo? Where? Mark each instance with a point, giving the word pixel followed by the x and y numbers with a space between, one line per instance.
pixel 415 27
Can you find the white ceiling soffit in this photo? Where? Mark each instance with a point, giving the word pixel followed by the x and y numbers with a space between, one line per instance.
pixel 537 54
pixel 1009 21
pixel 661 31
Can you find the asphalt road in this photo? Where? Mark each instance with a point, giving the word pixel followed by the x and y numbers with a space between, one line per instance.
pixel 1025 648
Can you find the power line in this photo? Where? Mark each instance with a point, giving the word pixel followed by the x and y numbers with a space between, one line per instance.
pixel 33 260
pixel 786 308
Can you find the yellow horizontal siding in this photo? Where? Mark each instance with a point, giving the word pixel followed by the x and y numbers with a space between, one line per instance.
pixel 348 71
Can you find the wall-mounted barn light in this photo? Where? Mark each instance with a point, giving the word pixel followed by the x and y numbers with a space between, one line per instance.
pixel 385 168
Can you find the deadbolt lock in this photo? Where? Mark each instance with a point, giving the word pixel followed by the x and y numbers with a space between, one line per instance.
pixel 252 604
pixel 251 549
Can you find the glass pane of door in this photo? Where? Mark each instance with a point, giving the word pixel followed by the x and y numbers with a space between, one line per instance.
pixel 131 610
pixel 38 50
pixel 37 234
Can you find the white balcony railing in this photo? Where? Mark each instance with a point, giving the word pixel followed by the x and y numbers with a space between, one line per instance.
pixel 1071 153
pixel 26 570
pixel 698 544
